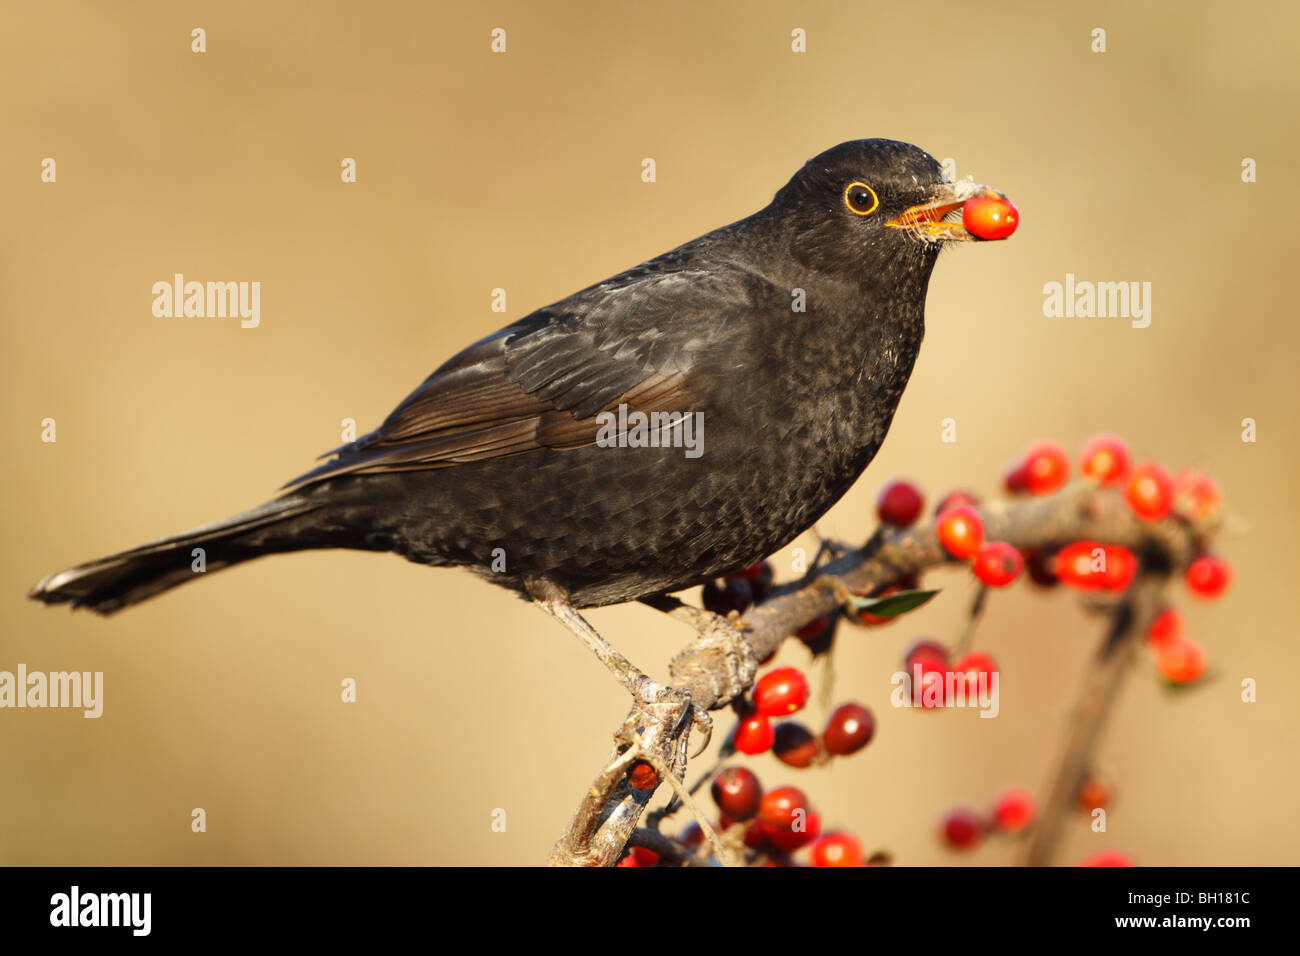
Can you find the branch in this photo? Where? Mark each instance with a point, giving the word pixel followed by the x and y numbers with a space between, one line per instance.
pixel 721 664
pixel 1101 688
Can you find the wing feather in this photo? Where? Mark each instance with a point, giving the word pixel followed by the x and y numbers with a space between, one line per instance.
pixel 540 382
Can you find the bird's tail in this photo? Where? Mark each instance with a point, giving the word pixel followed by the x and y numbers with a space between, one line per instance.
pixel 112 583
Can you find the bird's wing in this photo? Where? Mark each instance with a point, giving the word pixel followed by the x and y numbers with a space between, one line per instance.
pixel 540 382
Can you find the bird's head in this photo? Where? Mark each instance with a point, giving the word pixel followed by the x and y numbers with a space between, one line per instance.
pixel 873 199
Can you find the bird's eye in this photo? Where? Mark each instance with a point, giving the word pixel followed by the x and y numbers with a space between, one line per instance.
pixel 861 199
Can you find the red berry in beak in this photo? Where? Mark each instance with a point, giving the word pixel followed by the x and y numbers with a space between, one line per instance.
pixel 990 217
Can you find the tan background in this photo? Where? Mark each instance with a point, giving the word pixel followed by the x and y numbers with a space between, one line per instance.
pixel 522 171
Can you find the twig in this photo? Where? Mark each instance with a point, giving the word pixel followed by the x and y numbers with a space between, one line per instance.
pixel 972 622
pixel 1105 677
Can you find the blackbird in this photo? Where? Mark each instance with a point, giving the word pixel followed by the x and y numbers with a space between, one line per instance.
pixel 676 422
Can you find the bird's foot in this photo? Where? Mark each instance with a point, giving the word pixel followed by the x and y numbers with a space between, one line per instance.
pixel 677 711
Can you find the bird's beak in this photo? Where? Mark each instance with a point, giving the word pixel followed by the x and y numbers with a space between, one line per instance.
pixel 926 221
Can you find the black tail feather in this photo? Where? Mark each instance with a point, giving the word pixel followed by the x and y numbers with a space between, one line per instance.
pixel 112 583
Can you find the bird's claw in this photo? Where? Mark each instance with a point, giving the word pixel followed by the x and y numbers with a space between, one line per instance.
pixel 689 717
pixel 702 722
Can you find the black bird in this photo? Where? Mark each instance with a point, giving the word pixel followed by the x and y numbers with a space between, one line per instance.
pixel 776 350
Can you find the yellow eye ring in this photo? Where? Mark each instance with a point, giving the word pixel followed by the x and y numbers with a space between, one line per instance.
pixel 861 199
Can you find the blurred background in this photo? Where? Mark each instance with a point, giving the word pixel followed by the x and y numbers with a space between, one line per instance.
pixel 522 171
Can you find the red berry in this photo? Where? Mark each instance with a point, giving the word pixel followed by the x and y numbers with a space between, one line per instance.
pixel 849 729
pixel 756 834
pixel 1015 479
pixel 899 504
pixel 642 776
pixel 795 745
pixel 780 692
pixel 1166 626
pixel 1090 566
pixel 837 849
pixel 1208 576
pixel 1081 565
pixel 691 836
pixel 931 659
pixel 1104 458
pixel 933 681
pixel 997 563
pixel 1120 567
pixel 639 856
pixel 1013 811
pixel 1040 564
pixel 755 573
pixel 962 829
pixel 737 793
pixel 781 808
pixel 960 531
pixel 1047 466
pixel 1094 794
pixel 990 217
pixel 645 856
pixel 818 634
pixel 734 594
pixel 1108 858
pixel 806 828
pixel 1196 496
pixel 924 648
pixel 1181 660
pixel 1149 491
pixel 970 669
pixel 955 499
pixel 754 734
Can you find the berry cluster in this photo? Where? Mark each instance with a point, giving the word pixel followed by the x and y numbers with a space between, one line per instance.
pixel 964 828
pixel 1179 658
pixel 778 822
pixel 781 692
pixel 1096 566
pixel 930 660
pixel 772 825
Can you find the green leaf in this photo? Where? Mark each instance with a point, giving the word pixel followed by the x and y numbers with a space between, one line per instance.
pixel 894 604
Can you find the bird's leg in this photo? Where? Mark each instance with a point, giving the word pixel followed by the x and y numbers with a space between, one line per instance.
pixel 639 684
pixel 645 689
pixel 555 601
